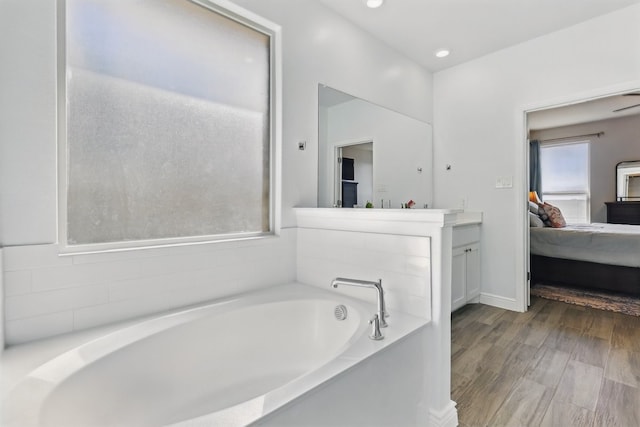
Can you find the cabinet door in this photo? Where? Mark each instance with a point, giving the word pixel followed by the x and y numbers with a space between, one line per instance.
pixel 473 271
pixel 458 278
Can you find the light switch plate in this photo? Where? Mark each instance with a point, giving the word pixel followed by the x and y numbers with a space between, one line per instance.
pixel 504 182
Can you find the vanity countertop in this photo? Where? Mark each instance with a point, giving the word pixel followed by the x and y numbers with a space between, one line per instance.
pixel 321 217
pixel 467 218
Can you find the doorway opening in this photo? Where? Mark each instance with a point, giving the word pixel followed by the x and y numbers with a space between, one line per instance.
pixel 604 119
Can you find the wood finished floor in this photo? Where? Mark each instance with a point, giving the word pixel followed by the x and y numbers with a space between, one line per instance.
pixel 555 365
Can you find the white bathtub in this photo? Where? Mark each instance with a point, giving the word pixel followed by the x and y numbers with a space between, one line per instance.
pixel 227 363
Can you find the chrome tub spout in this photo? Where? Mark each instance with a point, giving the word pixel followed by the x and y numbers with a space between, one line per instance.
pixel 382 311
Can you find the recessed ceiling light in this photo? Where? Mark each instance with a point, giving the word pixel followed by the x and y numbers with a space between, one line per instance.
pixel 373 3
pixel 441 53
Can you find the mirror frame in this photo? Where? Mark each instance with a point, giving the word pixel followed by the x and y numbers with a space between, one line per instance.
pixel 634 165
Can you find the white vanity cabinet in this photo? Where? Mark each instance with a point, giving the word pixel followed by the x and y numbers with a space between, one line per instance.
pixel 465 263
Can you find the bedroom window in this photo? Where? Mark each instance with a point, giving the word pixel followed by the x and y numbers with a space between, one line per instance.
pixel 565 179
pixel 167 123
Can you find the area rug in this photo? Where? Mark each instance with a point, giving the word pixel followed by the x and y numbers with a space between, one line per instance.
pixel 618 303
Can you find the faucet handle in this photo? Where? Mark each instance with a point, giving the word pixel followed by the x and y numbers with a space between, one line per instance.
pixel 376 334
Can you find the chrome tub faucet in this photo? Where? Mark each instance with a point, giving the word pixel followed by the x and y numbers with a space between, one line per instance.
pixel 382 311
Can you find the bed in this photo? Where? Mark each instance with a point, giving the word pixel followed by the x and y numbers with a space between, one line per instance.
pixel 597 256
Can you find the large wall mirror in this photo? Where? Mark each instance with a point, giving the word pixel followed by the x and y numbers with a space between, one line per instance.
pixel 370 154
pixel 628 181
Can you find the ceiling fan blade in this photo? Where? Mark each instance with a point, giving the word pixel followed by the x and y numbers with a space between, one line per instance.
pixel 626 108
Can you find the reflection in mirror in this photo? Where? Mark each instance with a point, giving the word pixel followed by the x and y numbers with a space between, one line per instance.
pixel 628 181
pixel 368 153
pixel 355 183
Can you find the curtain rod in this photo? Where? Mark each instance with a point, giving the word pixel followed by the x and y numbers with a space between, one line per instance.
pixel 598 134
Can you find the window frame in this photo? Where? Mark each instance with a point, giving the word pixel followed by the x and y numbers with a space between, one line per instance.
pixel 231 11
pixel 587 193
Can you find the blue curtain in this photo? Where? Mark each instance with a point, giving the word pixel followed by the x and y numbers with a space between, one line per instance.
pixel 535 177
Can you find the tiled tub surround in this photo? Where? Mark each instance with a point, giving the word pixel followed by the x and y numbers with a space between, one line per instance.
pixel 410 250
pixel 402 262
pixel 47 294
pixel 190 367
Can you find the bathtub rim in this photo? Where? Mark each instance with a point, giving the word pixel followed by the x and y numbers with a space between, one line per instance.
pixel 31 391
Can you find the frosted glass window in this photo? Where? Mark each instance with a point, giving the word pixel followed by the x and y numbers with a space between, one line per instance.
pixel 565 179
pixel 167 121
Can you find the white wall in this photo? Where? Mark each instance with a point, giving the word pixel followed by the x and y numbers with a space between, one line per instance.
pixel 2 341
pixel 321 47
pixel 620 142
pixel 47 293
pixel 479 127
pixel 28 122
pixel 318 46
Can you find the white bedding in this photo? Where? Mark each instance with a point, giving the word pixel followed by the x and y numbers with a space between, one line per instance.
pixel 616 244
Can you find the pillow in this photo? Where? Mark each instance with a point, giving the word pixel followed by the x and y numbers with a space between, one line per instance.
pixel 554 216
pixel 543 215
pixel 533 197
pixel 533 207
pixel 535 221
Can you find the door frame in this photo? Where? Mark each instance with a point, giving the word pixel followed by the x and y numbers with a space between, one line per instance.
pixel 335 151
pixel 522 165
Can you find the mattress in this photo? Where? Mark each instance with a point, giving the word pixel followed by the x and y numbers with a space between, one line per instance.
pixel 615 244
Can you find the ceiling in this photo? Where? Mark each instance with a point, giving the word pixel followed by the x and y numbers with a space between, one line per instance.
pixel 468 28
pixel 584 112
pixel 474 28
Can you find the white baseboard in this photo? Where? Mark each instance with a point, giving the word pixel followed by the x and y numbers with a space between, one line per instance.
pixel 500 302
pixel 446 417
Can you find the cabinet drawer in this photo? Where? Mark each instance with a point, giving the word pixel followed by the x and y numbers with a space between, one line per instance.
pixel 623 213
pixel 465 234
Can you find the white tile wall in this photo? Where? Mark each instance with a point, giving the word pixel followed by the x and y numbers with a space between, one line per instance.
pixel 402 262
pixel 32 328
pixel 40 303
pixel 47 294
pixel 17 282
